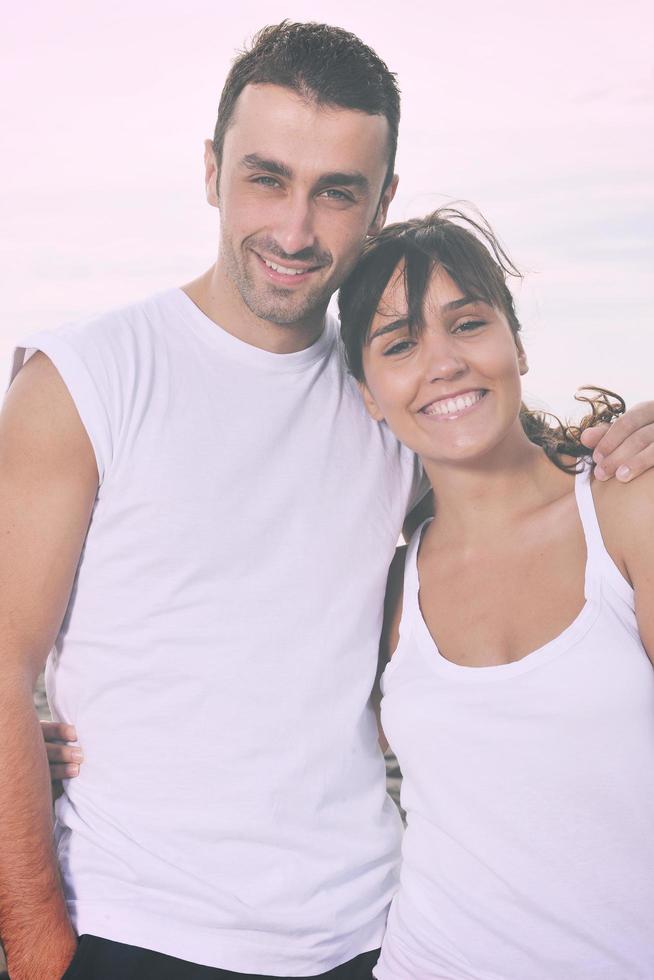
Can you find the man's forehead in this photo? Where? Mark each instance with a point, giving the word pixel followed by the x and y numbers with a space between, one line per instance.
pixel 280 123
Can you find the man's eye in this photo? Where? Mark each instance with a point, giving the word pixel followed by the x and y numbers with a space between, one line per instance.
pixel 265 181
pixel 468 325
pixel 333 194
pixel 400 347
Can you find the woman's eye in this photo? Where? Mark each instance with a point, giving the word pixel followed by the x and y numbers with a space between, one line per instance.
pixel 400 347
pixel 468 325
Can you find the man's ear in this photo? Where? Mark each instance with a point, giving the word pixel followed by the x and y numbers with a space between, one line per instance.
pixel 379 220
pixel 369 402
pixel 522 356
pixel 210 174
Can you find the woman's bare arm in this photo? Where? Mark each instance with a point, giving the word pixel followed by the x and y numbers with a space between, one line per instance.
pixel 626 516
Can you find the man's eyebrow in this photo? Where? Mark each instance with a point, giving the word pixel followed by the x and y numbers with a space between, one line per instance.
pixel 254 162
pixel 388 328
pixel 352 178
pixel 338 178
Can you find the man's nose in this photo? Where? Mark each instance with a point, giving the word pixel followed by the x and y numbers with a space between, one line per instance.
pixel 295 226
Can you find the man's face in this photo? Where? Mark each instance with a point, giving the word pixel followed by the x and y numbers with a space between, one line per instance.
pixel 300 188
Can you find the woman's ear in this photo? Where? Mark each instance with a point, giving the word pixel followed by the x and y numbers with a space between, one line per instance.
pixel 369 402
pixel 522 356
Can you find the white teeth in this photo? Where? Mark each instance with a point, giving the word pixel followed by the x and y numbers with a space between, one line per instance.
pixel 449 406
pixel 283 269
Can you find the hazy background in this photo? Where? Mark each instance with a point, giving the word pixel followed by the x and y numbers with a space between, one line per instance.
pixel 540 113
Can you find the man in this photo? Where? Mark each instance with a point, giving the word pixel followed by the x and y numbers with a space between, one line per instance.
pixel 198 515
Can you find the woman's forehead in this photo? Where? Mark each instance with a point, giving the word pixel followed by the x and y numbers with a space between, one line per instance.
pixel 440 290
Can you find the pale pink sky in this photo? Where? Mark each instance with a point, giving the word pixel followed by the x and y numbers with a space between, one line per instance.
pixel 540 113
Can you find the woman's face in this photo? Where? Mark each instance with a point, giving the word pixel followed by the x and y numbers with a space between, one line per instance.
pixel 453 392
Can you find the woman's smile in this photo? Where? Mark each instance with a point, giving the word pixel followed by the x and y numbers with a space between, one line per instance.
pixel 451 407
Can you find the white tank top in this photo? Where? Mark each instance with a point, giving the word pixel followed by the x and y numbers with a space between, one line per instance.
pixel 529 791
pixel 220 646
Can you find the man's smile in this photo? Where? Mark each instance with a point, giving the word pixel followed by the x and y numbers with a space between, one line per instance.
pixel 286 273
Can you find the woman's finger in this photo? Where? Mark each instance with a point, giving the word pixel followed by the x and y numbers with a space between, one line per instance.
pixel 58 772
pixel 56 752
pixel 58 731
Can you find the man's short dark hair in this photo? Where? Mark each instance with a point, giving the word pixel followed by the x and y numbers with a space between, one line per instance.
pixel 326 64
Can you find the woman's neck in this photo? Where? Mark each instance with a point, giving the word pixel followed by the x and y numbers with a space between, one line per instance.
pixel 486 495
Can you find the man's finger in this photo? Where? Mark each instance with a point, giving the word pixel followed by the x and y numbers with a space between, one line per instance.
pixel 590 437
pixel 630 457
pixel 638 417
pixel 58 731
pixel 637 464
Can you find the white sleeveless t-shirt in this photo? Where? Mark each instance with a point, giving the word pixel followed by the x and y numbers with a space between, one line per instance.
pixel 529 791
pixel 220 645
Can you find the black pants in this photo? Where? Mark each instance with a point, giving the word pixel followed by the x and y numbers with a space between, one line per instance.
pixel 102 959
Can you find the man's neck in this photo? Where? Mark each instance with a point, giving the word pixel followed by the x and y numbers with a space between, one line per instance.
pixel 216 296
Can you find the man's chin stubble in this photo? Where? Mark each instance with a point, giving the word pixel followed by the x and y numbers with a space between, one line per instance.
pixel 283 312
pixel 282 317
pixel 278 310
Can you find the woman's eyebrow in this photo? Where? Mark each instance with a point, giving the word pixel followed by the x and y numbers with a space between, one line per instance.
pixel 389 328
pixel 456 304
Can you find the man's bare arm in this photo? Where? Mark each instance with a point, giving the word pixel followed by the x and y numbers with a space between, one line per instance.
pixel 48 484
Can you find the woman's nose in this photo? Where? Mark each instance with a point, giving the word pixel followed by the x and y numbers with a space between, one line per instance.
pixel 443 360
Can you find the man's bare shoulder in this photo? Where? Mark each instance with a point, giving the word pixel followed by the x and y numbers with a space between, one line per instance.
pixel 39 418
pixel 38 377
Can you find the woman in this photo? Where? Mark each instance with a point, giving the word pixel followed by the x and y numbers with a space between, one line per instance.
pixel 519 697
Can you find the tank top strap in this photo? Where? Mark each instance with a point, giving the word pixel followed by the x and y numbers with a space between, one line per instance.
pixel 411 591
pixel 596 554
